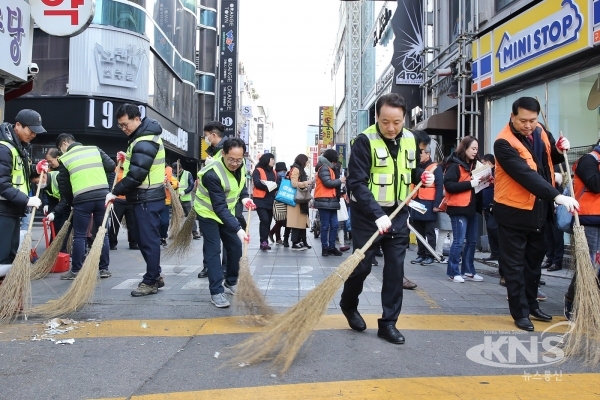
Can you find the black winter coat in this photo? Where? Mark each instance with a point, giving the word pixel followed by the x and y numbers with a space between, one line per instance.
pixel 142 157
pixel 324 174
pixel 66 190
pixel 452 185
pixel 538 182
pixel 267 201
pixel 15 204
pixel 430 204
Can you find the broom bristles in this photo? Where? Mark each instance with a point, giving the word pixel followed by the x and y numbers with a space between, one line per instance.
pixel 182 241
pixel 248 297
pixel 177 213
pixel 15 290
pixel 583 339
pixel 44 264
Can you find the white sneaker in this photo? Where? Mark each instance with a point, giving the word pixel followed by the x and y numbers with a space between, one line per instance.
pixel 219 300
pixel 229 289
pixel 456 279
pixel 474 278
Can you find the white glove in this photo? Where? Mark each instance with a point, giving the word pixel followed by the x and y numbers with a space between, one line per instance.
pixel 558 178
pixel 34 202
pixel 242 235
pixel 46 209
pixel 109 197
pixel 383 224
pixel 181 192
pixel 249 204
pixel 475 182
pixel 50 217
pixel 568 202
pixel 562 145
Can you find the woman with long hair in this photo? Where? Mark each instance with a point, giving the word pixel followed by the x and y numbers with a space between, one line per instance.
pixel 263 197
pixel 463 206
pixel 297 217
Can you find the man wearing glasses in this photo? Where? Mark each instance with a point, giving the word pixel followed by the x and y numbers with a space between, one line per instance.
pixel 14 181
pixel 143 185
pixel 221 184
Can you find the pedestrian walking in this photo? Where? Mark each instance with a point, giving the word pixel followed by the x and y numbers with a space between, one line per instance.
pixel 382 165
pixel 83 183
pixel 265 185
pixel 524 189
pixel 297 216
pixel 463 207
pixel 143 186
pixel 491 225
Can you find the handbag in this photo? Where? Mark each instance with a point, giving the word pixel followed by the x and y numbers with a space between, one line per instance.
pixel 286 193
pixel 279 211
pixel 342 213
pixel 302 196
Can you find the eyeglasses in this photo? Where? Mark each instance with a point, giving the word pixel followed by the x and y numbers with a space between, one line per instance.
pixel 123 126
pixel 235 161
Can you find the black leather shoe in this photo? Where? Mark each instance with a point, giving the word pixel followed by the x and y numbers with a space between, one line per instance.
pixel 539 314
pixel 378 252
pixel 418 260
pixel 134 246
pixel 524 324
pixel 554 267
pixel 203 273
pixel 546 264
pixel 391 334
pixel 355 320
pixel 374 262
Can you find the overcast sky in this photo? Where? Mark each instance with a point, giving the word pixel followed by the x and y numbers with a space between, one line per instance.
pixel 286 48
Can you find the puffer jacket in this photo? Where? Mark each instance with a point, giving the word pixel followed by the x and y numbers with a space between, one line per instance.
pixel 66 190
pixel 142 157
pixel 324 175
pixel 15 204
pixel 452 185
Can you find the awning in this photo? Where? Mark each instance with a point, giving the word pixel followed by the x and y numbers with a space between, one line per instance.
pixel 446 120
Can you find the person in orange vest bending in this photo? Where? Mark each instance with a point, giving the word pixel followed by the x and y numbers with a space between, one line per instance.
pixel 523 193
pixel 430 197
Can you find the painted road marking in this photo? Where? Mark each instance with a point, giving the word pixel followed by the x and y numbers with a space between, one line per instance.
pixel 239 324
pixel 585 386
pixel 427 298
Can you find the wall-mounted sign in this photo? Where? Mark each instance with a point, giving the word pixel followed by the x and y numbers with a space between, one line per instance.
pixel 119 66
pixel 326 122
pixel 16 36
pixel 260 133
pixel 228 66
pixel 384 81
pixel 63 17
pixel 408 42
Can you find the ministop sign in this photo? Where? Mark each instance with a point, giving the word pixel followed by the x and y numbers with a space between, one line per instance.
pixel 62 17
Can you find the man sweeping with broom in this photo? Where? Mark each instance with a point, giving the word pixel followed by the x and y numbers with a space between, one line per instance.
pixel 83 183
pixel 14 181
pixel 382 165
pixel 523 194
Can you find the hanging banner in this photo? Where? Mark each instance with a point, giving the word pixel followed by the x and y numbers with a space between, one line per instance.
pixel 341 149
pixel 228 66
pixel 326 120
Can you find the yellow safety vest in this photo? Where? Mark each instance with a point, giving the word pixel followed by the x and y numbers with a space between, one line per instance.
pixel 55 192
pixel 18 170
pixel 86 171
pixel 230 185
pixel 156 176
pixel 390 179
pixel 183 184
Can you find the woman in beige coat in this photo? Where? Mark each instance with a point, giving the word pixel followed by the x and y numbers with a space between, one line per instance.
pixel 297 217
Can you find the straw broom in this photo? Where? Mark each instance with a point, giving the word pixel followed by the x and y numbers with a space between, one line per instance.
pixel 44 264
pixel 247 296
pixel 70 242
pixel 177 214
pixel 583 339
pixel 182 240
pixel 284 337
pixel 15 291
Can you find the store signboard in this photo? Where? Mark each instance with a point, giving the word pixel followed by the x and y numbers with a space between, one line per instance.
pixel 228 66
pixel 16 37
pixel 547 32
pixel 63 17
pixel 326 122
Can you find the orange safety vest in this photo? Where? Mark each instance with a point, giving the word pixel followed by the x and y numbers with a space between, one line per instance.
pixel 506 190
pixel 256 192
pixel 427 193
pixel 322 191
pixel 174 183
pixel 589 203
pixel 461 199
pixel 118 177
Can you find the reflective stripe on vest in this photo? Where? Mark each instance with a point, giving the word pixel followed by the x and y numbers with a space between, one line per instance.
pixel 230 185
pixel 589 202
pixel 259 193
pixel 183 184
pixel 506 190
pixel 54 185
pixel 427 193
pixel 86 171
pixel 18 171
pixel 390 179
pixel 156 176
pixel 461 199
pixel 322 191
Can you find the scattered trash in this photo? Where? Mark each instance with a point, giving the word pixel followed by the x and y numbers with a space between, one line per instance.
pixel 143 325
pixel 243 364
pixel 66 341
pixel 216 354
pixel 160 341
pixel 58 326
pixel 180 350
pixel 273 376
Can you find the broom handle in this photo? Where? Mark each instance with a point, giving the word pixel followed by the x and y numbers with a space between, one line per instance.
pixel 34 209
pixel 111 205
pixel 543 114
pixel 575 213
pixel 245 249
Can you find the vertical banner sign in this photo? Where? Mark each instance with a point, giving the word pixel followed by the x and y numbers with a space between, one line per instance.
pixel 260 133
pixel 228 66
pixel 341 149
pixel 407 24
pixel 326 116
